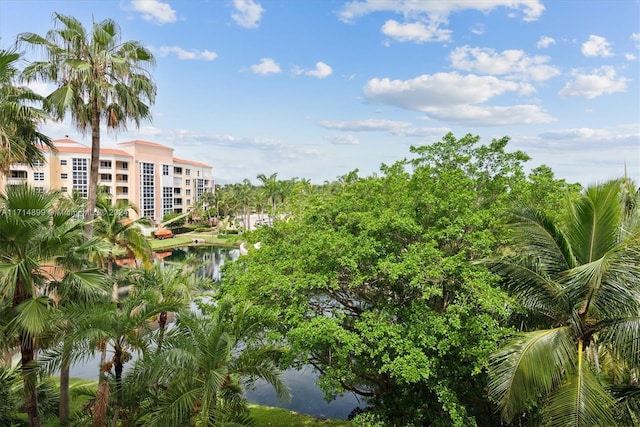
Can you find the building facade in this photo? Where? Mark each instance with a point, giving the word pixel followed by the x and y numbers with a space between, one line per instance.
pixel 144 173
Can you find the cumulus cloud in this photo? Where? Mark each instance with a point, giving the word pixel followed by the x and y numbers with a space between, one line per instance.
pixel 636 38
pixel 440 89
pixel 155 11
pixel 266 66
pixel 596 46
pixel 545 42
pixel 532 9
pixel 248 13
pixel 630 56
pixel 365 125
pixel 509 63
pixel 342 139
pixel 183 54
pixel 321 71
pixel 602 81
pixel 415 31
pixel 481 115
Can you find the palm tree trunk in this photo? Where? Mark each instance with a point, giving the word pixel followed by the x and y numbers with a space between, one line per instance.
pixel 118 366
pixel 64 411
pixel 29 379
pixel 95 163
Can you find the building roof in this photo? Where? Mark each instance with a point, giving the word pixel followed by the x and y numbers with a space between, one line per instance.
pixel 191 162
pixel 141 142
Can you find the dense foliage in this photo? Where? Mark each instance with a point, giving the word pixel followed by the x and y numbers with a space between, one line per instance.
pixel 376 286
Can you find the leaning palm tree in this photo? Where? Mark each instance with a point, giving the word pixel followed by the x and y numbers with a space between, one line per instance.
pixel 20 140
pixel 580 286
pixel 99 78
pixel 32 240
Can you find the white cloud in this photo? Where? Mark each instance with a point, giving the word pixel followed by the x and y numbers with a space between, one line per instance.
pixel 509 63
pixel 600 82
pixel 440 89
pixel 342 139
pixel 365 125
pixel 321 71
pixel 630 56
pixel 532 9
pixel 479 115
pixel 266 66
pixel 545 42
pixel 192 54
pixel 477 29
pixel 415 32
pixel 248 13
pixel 155 11
pixel 596 46
pixel 636 38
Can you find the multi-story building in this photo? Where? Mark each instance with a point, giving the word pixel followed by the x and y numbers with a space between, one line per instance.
pixel 144 173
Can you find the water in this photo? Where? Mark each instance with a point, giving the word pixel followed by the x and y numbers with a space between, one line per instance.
pixel 306 396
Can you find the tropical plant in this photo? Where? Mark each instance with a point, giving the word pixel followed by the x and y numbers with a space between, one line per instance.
pixel 20 140
pixel 199 377
pixel 579 286
pixel 99 78
pixel 34 239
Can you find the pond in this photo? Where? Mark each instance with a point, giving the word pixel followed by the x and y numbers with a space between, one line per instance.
pixel 306 396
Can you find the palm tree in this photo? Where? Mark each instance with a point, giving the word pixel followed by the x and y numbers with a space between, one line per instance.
pixel 32 240
pixel 579 285
pixel 113 226
pixel 206 361
pixel 20 141
pixel 98 78
pixel 122 328
pixel 271 188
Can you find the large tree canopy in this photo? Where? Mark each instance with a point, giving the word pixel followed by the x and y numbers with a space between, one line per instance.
pixel 374 282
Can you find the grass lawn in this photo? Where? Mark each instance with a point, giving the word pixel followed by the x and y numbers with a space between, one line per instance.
pixel 187 239
pixel 277 417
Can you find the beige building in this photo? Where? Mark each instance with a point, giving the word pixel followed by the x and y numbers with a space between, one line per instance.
pixel 144 173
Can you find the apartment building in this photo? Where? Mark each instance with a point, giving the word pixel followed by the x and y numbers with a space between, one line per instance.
pixel 142 172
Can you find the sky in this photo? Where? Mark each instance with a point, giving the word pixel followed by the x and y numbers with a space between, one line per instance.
pixel 317 88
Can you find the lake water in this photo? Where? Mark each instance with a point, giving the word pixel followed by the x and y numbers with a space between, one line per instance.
pixel 306 396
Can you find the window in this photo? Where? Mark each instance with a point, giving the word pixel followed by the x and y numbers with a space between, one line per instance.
pixel 177 171
pixel 165 170
pixel 64 176
pixel 79 174
pixel 105 177
pixel 105 164
pixel 122 165
pixel 167 200
pixel 63 162
pixel 38 176
pixel 64 189
pixel 39 190
pixel 147 187
pixel 188 202
pixel 187 192
pixel 187 181
pixel 187 171
pixel 198 173
pixel 177 190
pixel 38 163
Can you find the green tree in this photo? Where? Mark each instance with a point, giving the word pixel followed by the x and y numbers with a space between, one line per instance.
pixel 99 78
pixel 374 282
pixel 578 280
pixel 33 240
pixel 20 140
pixel 202 370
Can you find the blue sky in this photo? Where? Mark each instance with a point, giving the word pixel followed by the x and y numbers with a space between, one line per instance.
pixel 316 88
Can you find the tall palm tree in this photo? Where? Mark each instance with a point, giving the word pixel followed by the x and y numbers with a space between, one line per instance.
pixel 99 78
pixel 32 240
pixel 20 140
pixel 580 286
pixel 271 188
pixel 206 361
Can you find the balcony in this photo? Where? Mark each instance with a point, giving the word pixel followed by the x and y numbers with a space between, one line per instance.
pixel 16 181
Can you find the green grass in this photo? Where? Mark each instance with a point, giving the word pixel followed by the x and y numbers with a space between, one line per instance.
pixel 277 417
pixel 179 240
